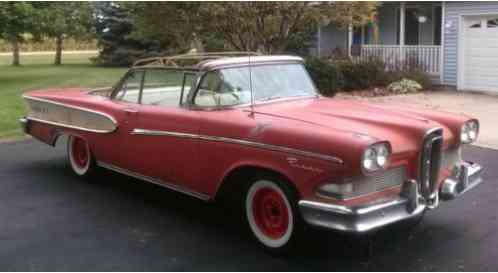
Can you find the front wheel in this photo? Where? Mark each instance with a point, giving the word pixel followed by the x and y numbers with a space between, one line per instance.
pixel 271 214
pixel 80 156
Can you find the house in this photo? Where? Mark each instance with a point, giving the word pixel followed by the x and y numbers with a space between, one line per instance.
pixel 455 42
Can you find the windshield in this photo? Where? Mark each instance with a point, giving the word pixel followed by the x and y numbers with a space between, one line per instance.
pixel 231 86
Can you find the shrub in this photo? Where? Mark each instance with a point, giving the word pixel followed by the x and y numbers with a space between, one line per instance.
pixel 325 75
pixel 404 86
pixel 361 75
pixel 345 74
pixel 419 76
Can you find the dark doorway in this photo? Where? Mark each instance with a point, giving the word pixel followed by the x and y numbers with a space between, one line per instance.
pixel 437 25
pixel 411 27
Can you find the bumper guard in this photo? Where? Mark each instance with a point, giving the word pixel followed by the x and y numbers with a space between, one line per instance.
pixel 370 216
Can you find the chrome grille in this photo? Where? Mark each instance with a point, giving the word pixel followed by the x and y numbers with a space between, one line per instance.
pixel 377 182
pixel 430 162
pixel 451 157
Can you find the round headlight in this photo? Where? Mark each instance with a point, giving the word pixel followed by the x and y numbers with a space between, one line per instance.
pixel 375 157
pixel 382 154
pixel 469 131
pixel 370 160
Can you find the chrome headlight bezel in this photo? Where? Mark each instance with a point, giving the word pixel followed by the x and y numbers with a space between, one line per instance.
pixel 375 157
pixel 469 131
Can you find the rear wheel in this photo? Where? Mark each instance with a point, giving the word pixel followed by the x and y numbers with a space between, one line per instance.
pixel 80 156
pixel 271 214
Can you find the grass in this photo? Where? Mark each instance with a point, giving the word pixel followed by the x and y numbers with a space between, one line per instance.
pixel 37 72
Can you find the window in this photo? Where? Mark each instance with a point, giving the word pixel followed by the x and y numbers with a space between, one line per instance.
pixel 162 87
pixel 493 23
pixel 214 91
pixel 475 25
pixel 188 82
pixel 231 86
pixel 130 87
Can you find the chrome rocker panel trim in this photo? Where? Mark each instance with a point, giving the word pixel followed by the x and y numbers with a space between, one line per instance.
pixel 368 217
pixel 288 150
pixel 155 181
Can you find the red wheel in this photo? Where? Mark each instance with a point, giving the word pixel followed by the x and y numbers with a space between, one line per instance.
pixel 269 214
pixel 79 155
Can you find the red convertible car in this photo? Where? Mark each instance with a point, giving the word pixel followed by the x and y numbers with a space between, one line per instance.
pixel 252 129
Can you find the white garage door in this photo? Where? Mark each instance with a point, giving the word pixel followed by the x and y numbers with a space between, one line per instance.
pixel 480 53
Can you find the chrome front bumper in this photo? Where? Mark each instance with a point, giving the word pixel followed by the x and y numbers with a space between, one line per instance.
pixel 409 204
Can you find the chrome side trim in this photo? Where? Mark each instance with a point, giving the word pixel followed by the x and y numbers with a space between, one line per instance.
pixel 72 106
pixel 69 126
pixel 45 118
pixel 277 148
pixel 145 132
pixel 155 181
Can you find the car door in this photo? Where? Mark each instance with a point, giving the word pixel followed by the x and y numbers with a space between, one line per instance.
pixel 111 148
pixel 163 140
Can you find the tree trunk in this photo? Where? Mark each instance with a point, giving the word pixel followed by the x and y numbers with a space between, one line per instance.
pixel 58 50
pixel 15 52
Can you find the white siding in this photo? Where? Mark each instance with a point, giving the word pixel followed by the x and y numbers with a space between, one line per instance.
pixel 453 12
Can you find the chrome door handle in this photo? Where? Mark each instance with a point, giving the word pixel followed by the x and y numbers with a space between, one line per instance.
pixel 130 111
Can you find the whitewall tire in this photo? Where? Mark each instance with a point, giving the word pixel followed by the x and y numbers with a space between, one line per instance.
pixel 80 156
pixel 270 214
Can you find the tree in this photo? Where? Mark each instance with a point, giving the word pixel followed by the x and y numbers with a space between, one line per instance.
pixel 269 27
pixel 113 30
pixel 16 19
pixel 60 20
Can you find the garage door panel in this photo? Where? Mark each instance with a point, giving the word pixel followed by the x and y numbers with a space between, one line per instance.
pixel 481 80
pixel 480 54
pixel 481 74
pixel 483 45
pixel 482 63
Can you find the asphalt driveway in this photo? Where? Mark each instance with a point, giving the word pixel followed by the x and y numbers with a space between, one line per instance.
pixel 52 221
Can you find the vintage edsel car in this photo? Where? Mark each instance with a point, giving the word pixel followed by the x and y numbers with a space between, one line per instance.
pixel 252 129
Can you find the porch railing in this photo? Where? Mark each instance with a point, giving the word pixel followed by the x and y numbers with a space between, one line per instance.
pixel 426 57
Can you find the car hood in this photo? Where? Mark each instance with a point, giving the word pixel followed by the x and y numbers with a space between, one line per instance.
pixel 403 126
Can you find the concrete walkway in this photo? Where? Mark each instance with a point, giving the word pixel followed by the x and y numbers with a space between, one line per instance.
pixel 482 106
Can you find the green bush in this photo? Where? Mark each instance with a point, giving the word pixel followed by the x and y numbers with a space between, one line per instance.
pixel 332 76
pixel 416 75
pixel 404 86
pixel 325 75
pixel 361 75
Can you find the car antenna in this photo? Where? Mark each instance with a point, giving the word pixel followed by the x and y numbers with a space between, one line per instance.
pixel 250 84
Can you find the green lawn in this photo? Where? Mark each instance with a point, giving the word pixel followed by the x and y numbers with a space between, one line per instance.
pixel 37 72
